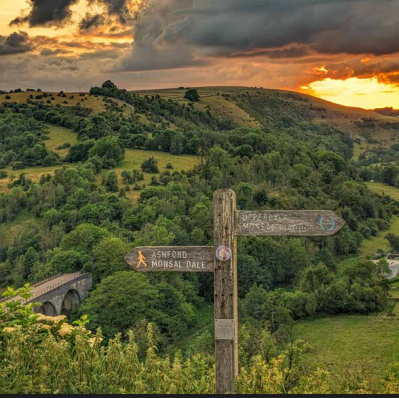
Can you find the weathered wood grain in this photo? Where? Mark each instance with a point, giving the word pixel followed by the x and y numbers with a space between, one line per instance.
pixel 172 259
pixel 288 223
pixel 226 291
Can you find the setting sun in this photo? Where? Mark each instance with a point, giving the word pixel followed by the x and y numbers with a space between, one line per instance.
pixel 355 92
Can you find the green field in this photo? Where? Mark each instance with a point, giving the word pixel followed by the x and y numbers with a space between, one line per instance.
pixel 134 158
pixel 133 161
pixel 352 343
pixel 96 104
pixel 58 137
pixel 373 245
pixel 383 189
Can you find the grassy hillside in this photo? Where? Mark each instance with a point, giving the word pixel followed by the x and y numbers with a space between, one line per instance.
pixel 373 245
pixel 383 189
pixel 96 104
pixel 348 344
pixel 255 107
pixel 135 158
pixel 133 161
pixel 60 136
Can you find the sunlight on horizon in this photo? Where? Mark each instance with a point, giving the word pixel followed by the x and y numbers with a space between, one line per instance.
pixel 354 92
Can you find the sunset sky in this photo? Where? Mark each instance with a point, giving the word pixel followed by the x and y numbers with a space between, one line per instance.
pixel 345 51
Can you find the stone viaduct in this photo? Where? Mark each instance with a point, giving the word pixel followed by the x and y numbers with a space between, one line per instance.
pixel 60 294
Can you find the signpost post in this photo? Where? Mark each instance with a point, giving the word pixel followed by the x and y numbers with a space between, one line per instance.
pixel 222 261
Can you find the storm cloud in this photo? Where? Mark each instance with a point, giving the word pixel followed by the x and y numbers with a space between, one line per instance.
pixel 116 8
pixel 122 10
pixel 274 29
pixel 46 13
pixel 91 21
pixel 16 43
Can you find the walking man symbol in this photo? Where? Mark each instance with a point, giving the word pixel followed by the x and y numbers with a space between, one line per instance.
pixel 142 260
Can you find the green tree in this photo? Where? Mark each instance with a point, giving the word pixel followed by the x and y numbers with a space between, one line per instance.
pixel 393 241
pixel 109 150
pixel 109 258
pixel 63 262
pixel 111 182
pixel 121 301
pixel 177 146
pixel 150 166
pixel 192 95
pixel 315 279
pixel 84 238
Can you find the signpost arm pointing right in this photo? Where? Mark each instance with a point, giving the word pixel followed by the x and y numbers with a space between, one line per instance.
pixel 226 290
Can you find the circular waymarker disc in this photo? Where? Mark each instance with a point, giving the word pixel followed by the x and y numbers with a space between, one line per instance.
pixel 223 253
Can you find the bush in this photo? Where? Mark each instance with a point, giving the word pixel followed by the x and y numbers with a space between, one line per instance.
pixel 111 182
pixel 150 166
pixel 109 150
pixel 44 355
pixel 192 95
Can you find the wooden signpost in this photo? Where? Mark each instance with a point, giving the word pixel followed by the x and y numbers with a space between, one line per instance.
pixel 222 261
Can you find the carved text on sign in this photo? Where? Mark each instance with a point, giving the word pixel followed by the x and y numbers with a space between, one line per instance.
pixel 172 259
pixel 288 223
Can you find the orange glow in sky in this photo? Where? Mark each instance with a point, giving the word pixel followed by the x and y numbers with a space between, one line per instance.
pixel 354 92
pixel 68 43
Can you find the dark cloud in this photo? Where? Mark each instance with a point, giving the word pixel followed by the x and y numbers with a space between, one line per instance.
pixel 243 28
pixel 46 13
pixel 91 21
pixel 116 8
pixel 16 43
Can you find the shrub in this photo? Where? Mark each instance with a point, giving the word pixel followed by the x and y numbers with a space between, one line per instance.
pixel 192 95
pixel 150 166
pixel 44 355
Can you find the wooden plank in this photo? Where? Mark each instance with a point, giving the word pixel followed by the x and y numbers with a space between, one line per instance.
pixel 226 291
pixel 172 259
pixel 288 223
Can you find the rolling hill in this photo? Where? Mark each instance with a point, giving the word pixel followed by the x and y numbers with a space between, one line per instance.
pixel 253 107
pixel 246 107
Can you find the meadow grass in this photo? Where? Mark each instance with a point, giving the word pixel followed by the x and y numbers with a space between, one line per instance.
pixel 96 104
pixel 373 245
pixel 384 189
pixel 134 158
pixel 351 343
pixel 58 137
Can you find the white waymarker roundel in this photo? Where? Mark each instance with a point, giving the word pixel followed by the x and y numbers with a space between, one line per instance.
pixel 223 253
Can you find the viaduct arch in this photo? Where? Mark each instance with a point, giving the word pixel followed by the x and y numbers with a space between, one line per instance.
pixel 60 294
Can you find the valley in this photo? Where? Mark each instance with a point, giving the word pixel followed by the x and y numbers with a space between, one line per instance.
pixel 84 182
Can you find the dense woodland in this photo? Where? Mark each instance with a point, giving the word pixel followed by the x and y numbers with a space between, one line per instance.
pixel 76 223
